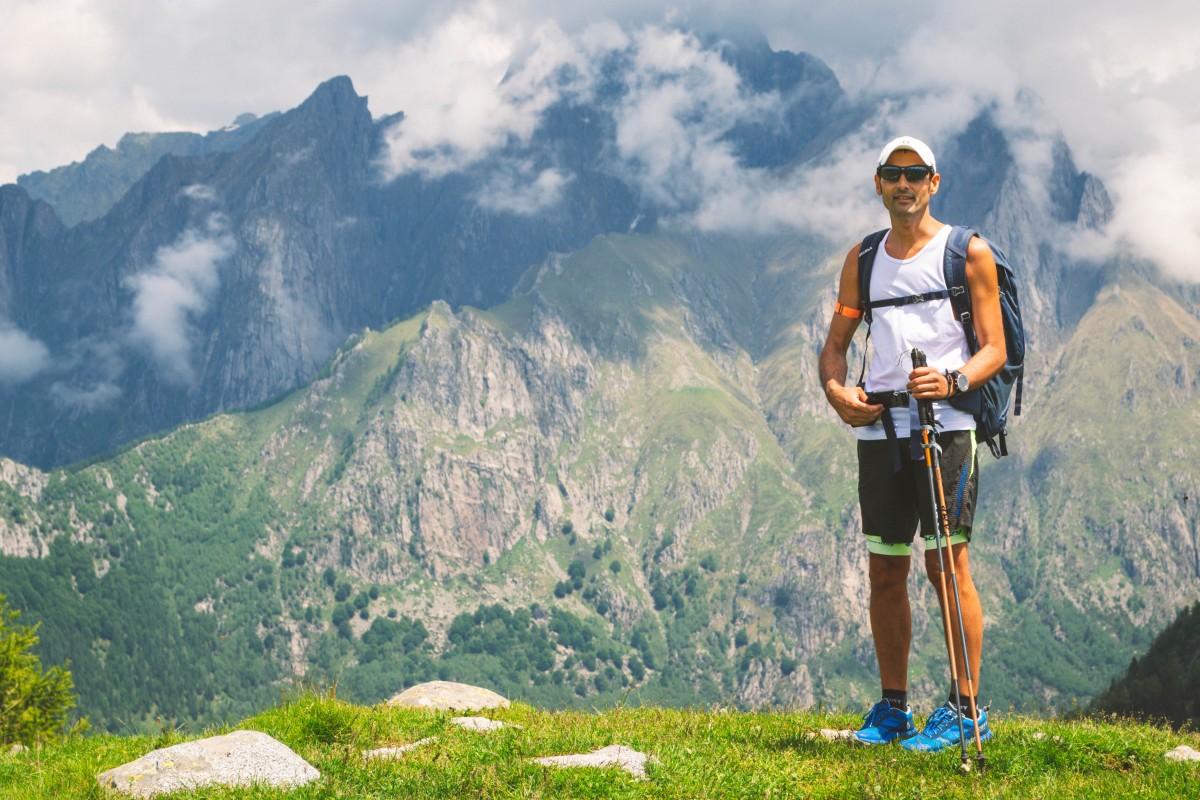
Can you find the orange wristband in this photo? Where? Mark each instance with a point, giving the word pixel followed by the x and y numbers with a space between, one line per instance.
pixel 846 311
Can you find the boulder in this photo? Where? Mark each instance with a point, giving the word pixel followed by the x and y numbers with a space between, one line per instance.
pixel 241 758
pixel 447 695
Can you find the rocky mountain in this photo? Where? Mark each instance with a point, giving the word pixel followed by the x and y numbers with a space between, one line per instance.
pixel 86 190
pixel 565 449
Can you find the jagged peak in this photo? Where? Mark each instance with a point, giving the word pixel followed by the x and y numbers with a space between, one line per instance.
pixel 336 91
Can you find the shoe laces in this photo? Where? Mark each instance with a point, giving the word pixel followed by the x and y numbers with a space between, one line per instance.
pixel 940 720
pixel 877 714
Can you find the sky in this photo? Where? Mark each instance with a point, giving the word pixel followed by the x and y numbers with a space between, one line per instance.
pixel 1121 83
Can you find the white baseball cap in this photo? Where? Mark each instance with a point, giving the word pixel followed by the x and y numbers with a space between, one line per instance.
pixel 908 143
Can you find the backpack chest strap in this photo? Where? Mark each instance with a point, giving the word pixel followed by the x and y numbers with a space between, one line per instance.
pixel 940 294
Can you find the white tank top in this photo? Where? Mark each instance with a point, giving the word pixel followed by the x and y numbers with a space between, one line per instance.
pixel 896 330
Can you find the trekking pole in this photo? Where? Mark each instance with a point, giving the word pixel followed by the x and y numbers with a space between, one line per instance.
pixel 942 531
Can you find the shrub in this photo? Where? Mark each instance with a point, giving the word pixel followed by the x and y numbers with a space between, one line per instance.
pixel 33 703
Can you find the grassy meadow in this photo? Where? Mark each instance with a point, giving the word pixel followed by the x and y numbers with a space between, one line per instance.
pixel 697 754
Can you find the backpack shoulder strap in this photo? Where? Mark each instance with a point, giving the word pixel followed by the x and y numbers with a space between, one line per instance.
pixel 866 260
pixel 955 269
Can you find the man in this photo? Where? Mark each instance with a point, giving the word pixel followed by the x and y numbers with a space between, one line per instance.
pixel 893 490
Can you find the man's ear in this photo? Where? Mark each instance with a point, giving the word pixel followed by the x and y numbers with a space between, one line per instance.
pixel 934 182
pixel 878 187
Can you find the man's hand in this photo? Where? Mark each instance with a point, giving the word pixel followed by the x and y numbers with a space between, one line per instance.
pixel 850 403
pixel 926 383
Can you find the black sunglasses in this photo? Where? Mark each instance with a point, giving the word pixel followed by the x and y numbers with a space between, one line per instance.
pixel 915 174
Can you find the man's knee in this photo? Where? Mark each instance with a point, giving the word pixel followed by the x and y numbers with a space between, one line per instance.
pixel 934 561
pixel 888 572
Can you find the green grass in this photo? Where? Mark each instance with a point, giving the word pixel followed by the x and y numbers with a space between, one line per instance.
pixel 698 754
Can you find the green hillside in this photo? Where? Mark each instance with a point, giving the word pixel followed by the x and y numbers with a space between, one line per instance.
pixel 622 479
pixel 1164 684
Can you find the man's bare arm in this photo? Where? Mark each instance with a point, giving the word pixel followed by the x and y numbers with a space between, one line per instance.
pixel 848 401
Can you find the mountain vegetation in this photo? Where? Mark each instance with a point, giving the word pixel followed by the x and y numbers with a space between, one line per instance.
pixel 396 431
pixel 1164 683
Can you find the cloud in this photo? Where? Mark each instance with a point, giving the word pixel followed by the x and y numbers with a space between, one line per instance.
pixel 175 291
pixel 1119 82
pixel 682 99
pixel 1157 213
pixel 478 82
pixel 519 191
pixel 21 356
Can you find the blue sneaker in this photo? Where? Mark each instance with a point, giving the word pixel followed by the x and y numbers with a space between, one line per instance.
pixel 883 724
pixel 941 730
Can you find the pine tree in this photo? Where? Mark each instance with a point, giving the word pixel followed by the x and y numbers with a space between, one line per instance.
pixel 33 704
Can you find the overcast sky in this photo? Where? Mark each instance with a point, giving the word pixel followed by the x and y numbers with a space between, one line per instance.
pixel 1121 81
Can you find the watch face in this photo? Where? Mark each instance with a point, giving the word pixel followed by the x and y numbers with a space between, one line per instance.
pixel 960 381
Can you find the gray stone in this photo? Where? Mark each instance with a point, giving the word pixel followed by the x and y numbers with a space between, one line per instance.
pixel 241 758
pixel 614 755
pixel 446 695
pixel 16 750
pixel 1183 753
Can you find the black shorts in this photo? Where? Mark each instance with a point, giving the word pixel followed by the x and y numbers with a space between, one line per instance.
pixel 892 502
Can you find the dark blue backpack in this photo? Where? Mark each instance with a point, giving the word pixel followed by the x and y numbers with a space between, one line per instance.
pixel 988 403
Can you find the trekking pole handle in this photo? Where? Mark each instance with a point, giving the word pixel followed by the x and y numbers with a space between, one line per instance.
pixel 924 407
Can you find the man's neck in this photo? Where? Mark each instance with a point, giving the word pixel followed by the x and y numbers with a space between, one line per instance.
pixel 908 236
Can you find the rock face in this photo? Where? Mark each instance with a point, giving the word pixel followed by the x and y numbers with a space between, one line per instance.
pixel 241 758
pixel 85 191
pixel 20 534
pixel 447 695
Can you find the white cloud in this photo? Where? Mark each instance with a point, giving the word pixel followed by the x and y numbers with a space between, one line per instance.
pixel 89 398
pixel 174 292
pixel 21 356
pixel 519 191
pixel 478 81
pixel 92 367
pixel 1157 214
pixel 75 74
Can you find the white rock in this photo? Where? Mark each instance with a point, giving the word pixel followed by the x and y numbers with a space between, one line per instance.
pixel 396 752
pixel 480 724
pixel 1183 753
pixel 16 749
pixel 831 734
pixel 443 695
pixel 241 758
pixel 614 755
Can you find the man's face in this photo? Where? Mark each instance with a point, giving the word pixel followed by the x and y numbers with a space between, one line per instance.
pixel 902 198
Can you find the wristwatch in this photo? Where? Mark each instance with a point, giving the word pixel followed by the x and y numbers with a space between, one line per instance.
pixel 956 383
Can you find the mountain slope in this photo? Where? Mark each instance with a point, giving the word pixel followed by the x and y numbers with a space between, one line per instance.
pixel 1165 682
pixel 604 453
